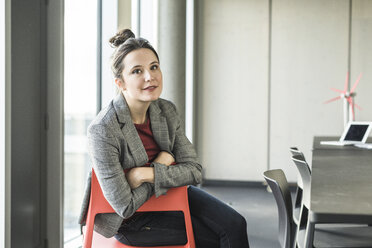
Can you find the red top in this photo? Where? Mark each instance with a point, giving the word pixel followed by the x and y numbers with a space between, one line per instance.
pixel 147 138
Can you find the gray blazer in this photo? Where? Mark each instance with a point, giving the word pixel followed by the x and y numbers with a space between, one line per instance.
pixel 114 145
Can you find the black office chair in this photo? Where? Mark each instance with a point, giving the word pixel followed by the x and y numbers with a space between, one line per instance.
pixel 299 190
pixel 295 151
pixel 279 186
pixel 324 236
pixel 305 175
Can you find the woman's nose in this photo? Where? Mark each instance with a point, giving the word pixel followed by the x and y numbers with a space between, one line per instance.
pixel 148 75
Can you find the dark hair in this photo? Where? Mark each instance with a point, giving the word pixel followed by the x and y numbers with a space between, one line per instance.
pixel 125 42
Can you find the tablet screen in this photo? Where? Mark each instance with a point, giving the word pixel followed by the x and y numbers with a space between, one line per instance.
pixel 356 132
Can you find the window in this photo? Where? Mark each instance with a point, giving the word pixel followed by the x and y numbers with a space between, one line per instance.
pixel 80 104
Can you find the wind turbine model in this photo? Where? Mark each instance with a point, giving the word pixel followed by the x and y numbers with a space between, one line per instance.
pixel 348 97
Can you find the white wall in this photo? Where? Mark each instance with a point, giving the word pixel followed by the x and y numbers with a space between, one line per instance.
pixel 309 56
pixel 232 88
pixel 361 56
pixel 261 90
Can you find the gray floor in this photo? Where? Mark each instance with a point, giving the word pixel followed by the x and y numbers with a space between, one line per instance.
pixel 259 208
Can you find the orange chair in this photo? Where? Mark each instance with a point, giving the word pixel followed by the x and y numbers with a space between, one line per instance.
pixel 175 200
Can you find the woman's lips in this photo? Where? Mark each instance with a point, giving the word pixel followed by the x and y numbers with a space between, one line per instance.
pixel 150 88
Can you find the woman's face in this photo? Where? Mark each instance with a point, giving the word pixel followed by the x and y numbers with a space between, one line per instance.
pixel 142 77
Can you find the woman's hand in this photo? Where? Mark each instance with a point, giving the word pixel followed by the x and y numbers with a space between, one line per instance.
pixel 137 176
pixel 164 158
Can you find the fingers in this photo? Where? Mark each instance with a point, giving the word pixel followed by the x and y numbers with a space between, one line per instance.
pixel 164 158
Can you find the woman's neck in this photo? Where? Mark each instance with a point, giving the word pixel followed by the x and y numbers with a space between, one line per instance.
pixel 138 110
pixel 138 116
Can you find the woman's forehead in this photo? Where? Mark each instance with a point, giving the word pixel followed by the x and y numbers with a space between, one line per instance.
pixel 142 56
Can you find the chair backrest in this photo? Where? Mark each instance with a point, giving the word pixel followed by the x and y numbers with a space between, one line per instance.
pixel 279 186
pixel 176 199
pixel 305 173
pixel 295 151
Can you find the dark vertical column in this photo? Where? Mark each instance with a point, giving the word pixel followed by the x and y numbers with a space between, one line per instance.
pixel 27 122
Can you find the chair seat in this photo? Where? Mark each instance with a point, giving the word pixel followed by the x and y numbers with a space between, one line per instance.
pixel 100 241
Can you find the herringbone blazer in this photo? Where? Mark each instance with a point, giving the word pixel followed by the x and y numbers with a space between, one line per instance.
pixel 114 145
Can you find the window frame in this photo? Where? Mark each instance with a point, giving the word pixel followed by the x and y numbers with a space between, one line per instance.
pixel 54 122
pixel 5 175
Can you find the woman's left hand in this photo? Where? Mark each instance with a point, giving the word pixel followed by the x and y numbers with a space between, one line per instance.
pixel 137 176
pixel 165 158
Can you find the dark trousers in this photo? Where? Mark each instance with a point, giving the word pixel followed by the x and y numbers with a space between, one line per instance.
pixel 214 223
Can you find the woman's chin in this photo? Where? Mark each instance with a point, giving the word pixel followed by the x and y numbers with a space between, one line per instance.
pixel 150 99
pixel 153 97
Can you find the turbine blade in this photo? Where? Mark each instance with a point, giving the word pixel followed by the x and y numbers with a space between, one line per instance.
pixel 359 107
pixel 332 100
pixel 356 83
pixel 337 90
pixel 346 82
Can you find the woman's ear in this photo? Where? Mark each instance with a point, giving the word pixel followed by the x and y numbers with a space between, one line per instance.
pixel 119 83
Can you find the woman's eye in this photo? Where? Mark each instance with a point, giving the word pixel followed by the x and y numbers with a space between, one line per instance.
pixel 136 71
pixel 154 67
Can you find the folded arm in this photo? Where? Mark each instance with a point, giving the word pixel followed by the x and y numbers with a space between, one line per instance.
pixel 187 169
pixel 139 175
pixel 105 153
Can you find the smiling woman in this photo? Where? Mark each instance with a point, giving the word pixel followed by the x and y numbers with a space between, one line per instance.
pixel 138 148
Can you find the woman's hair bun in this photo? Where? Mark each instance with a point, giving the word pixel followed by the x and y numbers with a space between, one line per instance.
pixel 121 37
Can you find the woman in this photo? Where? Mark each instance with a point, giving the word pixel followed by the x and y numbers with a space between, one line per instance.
pixel 133 142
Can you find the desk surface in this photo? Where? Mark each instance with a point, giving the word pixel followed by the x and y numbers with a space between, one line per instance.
pixel 341 186
pixel 317 145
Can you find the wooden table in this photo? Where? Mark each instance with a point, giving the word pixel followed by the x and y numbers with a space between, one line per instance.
pixel 341 185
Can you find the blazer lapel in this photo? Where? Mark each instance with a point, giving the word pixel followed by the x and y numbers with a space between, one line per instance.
pixel 129 131
pixel 159 127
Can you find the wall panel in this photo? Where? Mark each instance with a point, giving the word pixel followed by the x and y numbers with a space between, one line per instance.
pixel 309 56
pixel 361 56
pixel 232 88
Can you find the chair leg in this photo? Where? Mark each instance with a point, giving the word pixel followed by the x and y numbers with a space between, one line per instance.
pixel 88 237
pixel 189 234
pixel 295 237
pixel 188 226
pixel 302 227
pixel 309 238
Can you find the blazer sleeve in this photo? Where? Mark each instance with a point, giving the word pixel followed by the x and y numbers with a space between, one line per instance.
pixel 105 153
pixel 186 171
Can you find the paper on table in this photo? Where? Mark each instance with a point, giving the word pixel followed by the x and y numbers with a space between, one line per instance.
pixel 364 146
